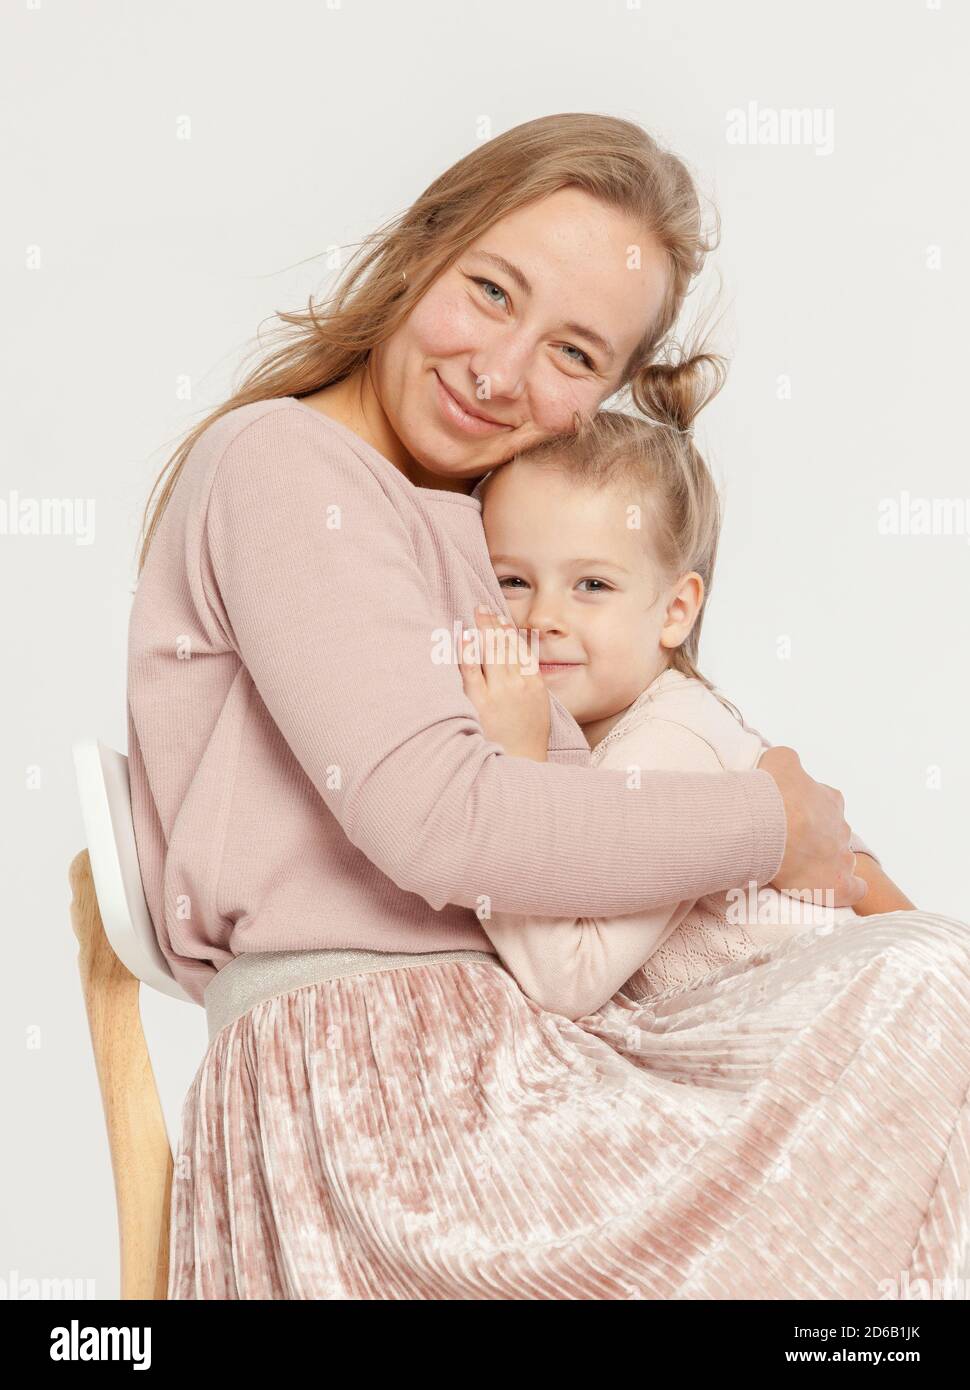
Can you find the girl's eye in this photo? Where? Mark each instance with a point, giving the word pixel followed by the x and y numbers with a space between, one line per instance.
pixel 479 280
pixel 512 581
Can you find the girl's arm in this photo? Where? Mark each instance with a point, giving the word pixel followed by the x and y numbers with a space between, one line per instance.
pixel 882 895
pixel 573 965
pixel 305 567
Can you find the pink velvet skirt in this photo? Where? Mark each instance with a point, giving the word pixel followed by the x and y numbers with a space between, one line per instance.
pixel 795 1125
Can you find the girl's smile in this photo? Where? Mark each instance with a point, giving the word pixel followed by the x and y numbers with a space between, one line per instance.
pixel 558 668
pixel 602 634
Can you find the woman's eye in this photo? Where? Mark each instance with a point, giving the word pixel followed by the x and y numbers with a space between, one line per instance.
pixel 490 284
pixel 605 589
pixel 584 357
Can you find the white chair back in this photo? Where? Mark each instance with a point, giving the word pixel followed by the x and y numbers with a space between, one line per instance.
pixel 105 793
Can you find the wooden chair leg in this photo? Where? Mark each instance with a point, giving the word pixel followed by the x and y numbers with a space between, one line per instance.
pixel 141 1157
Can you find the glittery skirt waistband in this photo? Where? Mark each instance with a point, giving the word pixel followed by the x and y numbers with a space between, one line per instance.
pixel 249 979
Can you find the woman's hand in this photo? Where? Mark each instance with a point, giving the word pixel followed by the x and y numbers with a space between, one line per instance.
pixel 817 854
pixel 512 704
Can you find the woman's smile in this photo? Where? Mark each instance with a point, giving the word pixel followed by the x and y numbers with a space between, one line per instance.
pixel 454 413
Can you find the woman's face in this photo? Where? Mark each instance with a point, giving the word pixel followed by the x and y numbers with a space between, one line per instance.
pixel 533 322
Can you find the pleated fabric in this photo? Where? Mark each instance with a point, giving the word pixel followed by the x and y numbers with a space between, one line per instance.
pixel 794 1125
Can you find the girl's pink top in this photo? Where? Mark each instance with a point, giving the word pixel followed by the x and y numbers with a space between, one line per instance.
pixel 573 965
pixel 306 769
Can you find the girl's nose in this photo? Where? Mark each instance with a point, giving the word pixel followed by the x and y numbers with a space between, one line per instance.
pixel 545 616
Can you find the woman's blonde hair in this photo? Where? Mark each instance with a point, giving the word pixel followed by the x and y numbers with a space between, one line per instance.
pixel 613 160
pixel 651 458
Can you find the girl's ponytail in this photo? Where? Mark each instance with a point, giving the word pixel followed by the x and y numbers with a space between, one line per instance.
pixel 672 392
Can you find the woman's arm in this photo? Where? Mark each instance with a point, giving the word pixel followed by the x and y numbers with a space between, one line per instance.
pixel 309 573
pixel 571 965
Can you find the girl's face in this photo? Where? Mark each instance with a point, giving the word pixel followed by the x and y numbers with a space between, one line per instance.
pixel 572 568
pixel 533 322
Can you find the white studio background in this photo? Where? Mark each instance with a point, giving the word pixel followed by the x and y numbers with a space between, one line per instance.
pixel 176 172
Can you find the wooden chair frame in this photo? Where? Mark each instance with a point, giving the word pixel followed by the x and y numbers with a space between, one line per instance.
pixel 141 1157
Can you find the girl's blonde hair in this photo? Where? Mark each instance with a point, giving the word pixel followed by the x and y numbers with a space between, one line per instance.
pixel 652 459
pixel 613 160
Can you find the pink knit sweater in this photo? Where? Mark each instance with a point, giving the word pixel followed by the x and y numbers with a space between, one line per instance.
pixel 306 770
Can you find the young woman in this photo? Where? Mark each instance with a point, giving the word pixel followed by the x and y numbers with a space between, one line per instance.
pixel 320 818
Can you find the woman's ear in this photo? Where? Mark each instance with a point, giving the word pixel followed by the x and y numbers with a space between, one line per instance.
pixel 684 602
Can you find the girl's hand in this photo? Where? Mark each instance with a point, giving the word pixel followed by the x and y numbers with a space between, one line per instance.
pixel 512 704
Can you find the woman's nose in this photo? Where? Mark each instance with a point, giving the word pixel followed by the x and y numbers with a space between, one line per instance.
pixel 500 368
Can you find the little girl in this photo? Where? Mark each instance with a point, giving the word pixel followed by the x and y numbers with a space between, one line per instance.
pixel 604 543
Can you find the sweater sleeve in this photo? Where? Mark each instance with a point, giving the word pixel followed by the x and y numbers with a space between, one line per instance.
pixel 310 574
pixel 573 965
